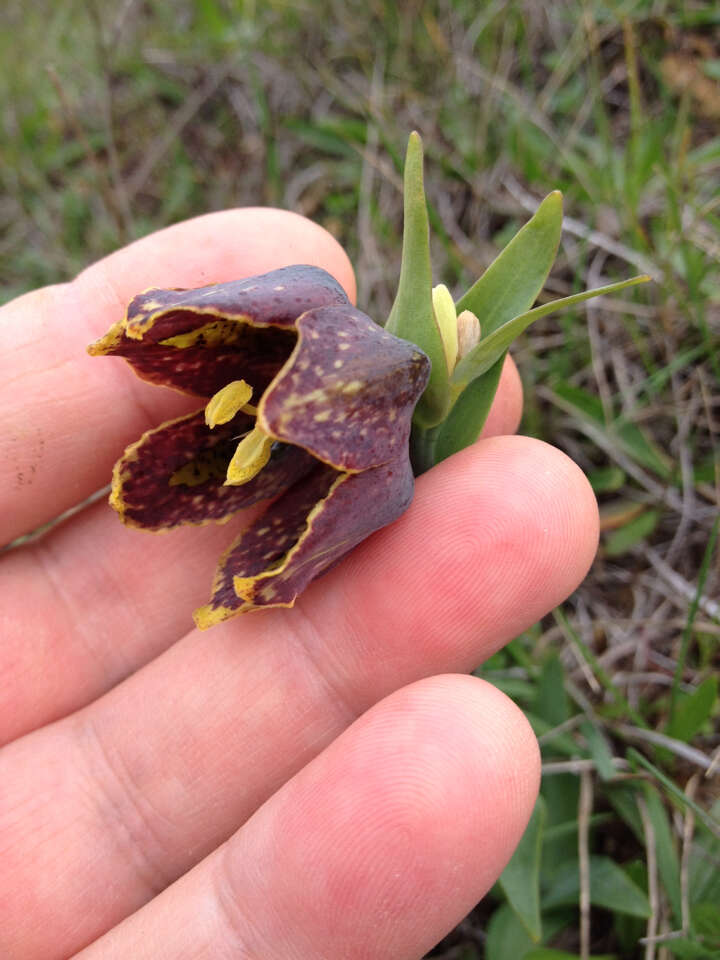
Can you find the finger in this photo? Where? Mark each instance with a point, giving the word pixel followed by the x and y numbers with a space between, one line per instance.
pixel 376 849
pixel 142 784
pixel 95 614
pixel 66 416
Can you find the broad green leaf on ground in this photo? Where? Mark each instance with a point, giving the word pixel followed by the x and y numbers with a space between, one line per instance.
pixel 561 793
pixel 551 703
pixel 705 921
pixel 629 436
pixel 493 346
pixel 633 532
pixel 665 851
pixel 600 751
pixel 411 316
pixel 610 887
pixel 506 936
pixel 691 950
pixel 693 710
pixel 547 953
pixel 704 859
pixel 520 880
pixel 607 479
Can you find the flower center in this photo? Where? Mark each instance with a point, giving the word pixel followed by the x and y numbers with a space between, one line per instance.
pixel 253 451
pixel 459 333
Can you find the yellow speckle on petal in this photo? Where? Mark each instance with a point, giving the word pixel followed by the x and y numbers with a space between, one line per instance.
pixel 227 402
pixel 322 416
pixel 244 588
pixel 353 386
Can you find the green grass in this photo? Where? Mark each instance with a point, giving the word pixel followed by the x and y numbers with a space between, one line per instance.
pixel 117 123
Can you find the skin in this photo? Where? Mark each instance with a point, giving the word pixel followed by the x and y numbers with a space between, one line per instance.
pixel 298 783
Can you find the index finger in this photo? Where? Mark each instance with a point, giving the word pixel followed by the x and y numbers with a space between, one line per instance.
pixel 65 417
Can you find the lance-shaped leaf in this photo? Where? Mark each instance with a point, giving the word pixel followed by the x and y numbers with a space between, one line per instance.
pixel 512 282
pixel 412 316
pixel 494 346
pixel 199 340
pixel 484 364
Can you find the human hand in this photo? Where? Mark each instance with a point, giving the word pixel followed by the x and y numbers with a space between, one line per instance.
pixel 299 783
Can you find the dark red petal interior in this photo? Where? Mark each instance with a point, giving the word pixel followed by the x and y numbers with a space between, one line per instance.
pixel 174 474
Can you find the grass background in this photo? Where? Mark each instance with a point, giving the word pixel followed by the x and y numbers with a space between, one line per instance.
pixel 119 118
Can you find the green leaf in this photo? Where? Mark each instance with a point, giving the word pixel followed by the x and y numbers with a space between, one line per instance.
pixel 551 702
pixel 634 532
pixel 412 316
pixel 512 282
pixel 693 710
pixel 546 953
pixel 465 421
pixel 705 921
pixel 667 858
pixel 610 887
pixel 506 936
pixel 607 479
pixel 600 751
pixel 691 950
pixel 627 435
pixel 494 345
pixel 520 880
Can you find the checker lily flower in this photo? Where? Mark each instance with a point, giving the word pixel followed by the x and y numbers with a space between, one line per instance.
pixel 311 403
pixel 308 403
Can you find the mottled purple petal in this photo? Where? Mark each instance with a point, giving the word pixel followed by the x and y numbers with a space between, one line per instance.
pixel 348 391
pixel 198 340
pixel 175 474
pixel 303 534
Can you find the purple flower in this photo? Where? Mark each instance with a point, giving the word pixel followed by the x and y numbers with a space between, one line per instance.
pixel 309 403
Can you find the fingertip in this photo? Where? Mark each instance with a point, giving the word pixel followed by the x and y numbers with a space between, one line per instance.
pixel 496 537
pixel 506 410
pixel 397 829
pixel 214 248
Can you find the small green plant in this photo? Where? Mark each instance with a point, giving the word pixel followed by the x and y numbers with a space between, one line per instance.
pixel 467 342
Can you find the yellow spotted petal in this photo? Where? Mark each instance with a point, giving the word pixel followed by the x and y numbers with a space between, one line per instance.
pixel 252 453
pixel 227 402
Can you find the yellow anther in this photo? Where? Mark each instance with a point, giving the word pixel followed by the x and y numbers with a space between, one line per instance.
pixel 446 318
pixel 252 453
pixel 227 402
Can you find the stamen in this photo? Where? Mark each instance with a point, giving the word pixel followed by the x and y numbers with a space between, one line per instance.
pixel 446 318
pixel 468 333
pixel 227 402
pixel 252 453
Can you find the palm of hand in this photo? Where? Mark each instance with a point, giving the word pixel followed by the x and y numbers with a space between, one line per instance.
pixel 304 783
